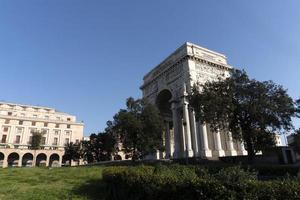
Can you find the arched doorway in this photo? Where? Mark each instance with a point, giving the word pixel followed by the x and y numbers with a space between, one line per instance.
pixel 27 160
pixel 164 106
pixel 13 160
pixel 1 159
pixel 54 160
pixel 41 160
pixel 163 103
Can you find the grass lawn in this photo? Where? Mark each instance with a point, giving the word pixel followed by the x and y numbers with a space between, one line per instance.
pixel 55 183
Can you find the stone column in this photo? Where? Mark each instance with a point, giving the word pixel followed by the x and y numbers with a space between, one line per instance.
pixel 187 134
pixel 194 132
pixel 206 151
pixel 167 140
pixel 48 160
pixel 176 131
pixel 60 160
pixel 5 161
pixel 219 144
pixel 244 152
pixel 20 160
pixel 232 151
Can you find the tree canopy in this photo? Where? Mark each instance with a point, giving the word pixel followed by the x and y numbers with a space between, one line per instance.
pixel 139 128
pixel 36 139
pixel 72 152
pixel 100 147
pixel 251 110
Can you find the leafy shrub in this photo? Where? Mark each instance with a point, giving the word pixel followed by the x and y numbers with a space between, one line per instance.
pixel 190 182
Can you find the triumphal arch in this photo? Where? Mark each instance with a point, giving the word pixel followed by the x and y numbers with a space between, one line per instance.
pixel 168 85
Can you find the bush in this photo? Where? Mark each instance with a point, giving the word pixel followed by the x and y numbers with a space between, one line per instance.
pixel 190 182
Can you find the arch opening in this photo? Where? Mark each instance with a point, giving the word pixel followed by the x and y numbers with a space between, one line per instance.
pixel 41 160
pixel 13 160
pixel 54 160
pixel 163 103
pixel 27 160
pixel 1 159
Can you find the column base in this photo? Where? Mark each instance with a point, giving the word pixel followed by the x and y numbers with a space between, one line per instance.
pixel 206 153
pixel 221 153
pixel 232 152
pixel 244 153
pixel 189 153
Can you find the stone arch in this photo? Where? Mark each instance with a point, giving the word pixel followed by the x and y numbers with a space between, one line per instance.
pixel 27 160
pixel 54 160
pixel 41 160
pixel 2 157
pixel 13 159
pixel 163 102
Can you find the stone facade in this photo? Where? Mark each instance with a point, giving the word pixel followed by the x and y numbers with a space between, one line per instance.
pixel 168 85
pixel 18 122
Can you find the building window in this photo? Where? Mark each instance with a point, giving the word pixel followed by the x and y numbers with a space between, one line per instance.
pixel 45 124
pixel 3 140
pixel 30 140
pixel 67 140
pixel 33 123
pixel 58 118
pixel 19 130
pixel 20 122
pixel 43 141
pixel 56 132
pixel 18 138
pixel 55 141
pixel 32 130
pixel 9 113
pixel 68 119
pixel 5 129
pixel 67 133
pixel 7 121
pixel 56 125
pixel 35 116
pixel 46 117
pixel 68 126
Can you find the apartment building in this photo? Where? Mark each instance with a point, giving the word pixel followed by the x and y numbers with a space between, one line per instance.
pixel 17 124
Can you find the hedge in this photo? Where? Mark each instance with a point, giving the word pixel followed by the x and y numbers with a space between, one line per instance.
pixel 188 182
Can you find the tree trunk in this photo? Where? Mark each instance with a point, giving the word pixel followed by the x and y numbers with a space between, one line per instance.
pixel 250 150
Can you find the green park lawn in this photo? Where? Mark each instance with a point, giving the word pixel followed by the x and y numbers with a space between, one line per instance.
pixel 55 183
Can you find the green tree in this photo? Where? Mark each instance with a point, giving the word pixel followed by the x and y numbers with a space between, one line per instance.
pixel 140 128
pixel 72 152
pixel 36 139
pixel 251 110
pixel 100 147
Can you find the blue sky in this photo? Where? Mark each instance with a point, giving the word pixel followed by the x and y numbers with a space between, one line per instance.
pixel 86 57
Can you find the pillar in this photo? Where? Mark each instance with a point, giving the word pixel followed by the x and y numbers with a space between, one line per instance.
pixel 48 160
pixel 194 133
pixel 232 151
pixel 243 150
pixel 60 160
pixel 205 148
pixel 167 140
pixel 20 160
pixel 219 144
pixel 5 161
pixel 176 131
pixel 187 132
